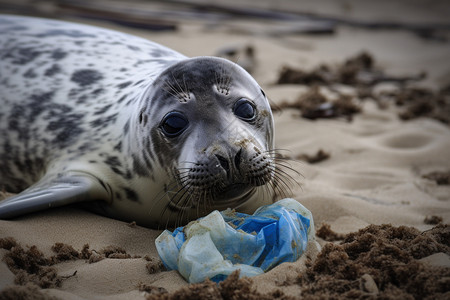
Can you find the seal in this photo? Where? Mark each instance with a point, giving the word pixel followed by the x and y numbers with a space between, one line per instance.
pixel 133 129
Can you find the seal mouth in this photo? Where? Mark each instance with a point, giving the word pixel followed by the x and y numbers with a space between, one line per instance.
pixel 234 196
pixel 230 196
pixel 232 191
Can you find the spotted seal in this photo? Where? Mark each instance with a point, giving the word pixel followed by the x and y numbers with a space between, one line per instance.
pixel 137 130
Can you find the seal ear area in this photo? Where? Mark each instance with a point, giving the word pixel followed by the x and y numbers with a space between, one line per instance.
pixel 143 117
pixel 173 124
pixel 64 190
pixel 262 92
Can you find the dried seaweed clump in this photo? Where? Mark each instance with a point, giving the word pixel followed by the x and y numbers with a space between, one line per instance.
pixel 314 105
pixel 29 265
pixel 64 252
pixel 28 291
pixel 361 72
pixel 423 102
pixel 151 289
pixel 433 220
pixel 115 252
pixel 381 261
pixel 441 178
pixel 154 265
pixel 231 288
pixel 325 232
pixel 320 155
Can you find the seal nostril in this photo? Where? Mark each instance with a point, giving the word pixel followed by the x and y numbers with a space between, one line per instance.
pixel 237 159
pixel 223 162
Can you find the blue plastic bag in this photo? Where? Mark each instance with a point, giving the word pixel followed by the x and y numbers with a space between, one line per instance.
pixel 222 242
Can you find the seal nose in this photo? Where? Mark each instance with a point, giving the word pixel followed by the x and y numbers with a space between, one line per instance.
pixel 224 163
pixel 237 160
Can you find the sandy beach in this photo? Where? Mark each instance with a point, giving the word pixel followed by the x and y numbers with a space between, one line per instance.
pixel 373 164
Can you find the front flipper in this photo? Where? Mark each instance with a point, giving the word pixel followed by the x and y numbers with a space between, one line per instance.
pixel 69 188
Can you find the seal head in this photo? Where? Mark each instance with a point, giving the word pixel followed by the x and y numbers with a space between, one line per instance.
pixel 212 130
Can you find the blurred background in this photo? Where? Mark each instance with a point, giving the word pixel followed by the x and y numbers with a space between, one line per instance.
pixel 349 46
pixel 269 31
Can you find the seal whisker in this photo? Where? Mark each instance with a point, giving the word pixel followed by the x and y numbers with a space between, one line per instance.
pixel 219 79
pixel 168 219
pixel 284 161
pixel 167 189
pixel 186 89
pixel 177 198
pixel 198 198
pixel 183 94
pixel 223 80
pixel 184 199
pixel 197 208
pixel 277 189
pixel 283 182
pixel 179 90
pixel 200 201
pixel 156 201
pixel 171 92
pixel 279 170
pixel 208 198
pixel 172 205
pixel 179 204
pixel 269 197
pixel 171 89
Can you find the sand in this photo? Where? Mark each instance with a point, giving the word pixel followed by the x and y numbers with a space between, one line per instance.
pixel 359 170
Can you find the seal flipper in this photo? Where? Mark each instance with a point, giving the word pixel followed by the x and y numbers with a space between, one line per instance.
pixel 64 190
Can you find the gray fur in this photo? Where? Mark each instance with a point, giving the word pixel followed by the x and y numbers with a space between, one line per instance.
pixel 85 102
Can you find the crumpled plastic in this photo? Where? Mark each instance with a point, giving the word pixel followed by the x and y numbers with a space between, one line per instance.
pixel 218 244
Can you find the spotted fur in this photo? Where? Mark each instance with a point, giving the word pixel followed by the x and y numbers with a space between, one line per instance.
pixel 83 99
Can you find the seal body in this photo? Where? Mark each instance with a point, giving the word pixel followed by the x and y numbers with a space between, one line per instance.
pixel 136 129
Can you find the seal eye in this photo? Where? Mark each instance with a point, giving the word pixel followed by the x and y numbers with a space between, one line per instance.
pixel 173 124
pixel 245 110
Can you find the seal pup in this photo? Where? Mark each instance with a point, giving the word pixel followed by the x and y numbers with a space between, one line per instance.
pixel 136 129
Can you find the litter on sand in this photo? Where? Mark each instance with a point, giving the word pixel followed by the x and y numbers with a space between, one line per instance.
pixel 218 244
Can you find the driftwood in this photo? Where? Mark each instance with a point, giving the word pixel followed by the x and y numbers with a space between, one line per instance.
pixel 115 12
pixel 155 17
pixel 325 24
pixel 165 15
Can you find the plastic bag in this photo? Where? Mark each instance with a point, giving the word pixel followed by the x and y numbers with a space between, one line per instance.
pixel 222 242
